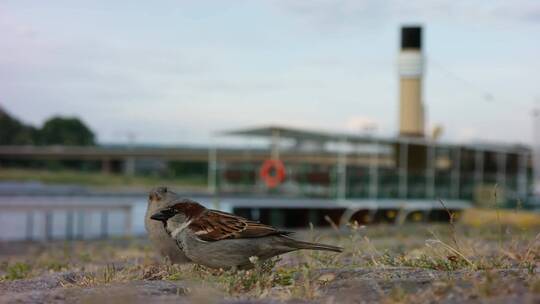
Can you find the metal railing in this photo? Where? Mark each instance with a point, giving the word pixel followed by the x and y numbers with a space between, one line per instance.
pixel 361 183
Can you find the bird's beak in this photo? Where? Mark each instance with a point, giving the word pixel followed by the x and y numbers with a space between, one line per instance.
pixel 162 215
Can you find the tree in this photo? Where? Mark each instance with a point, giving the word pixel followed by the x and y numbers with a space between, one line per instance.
pixel 13 132
pixel 66 131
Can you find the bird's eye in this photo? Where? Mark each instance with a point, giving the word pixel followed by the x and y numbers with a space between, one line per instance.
pixel 151 197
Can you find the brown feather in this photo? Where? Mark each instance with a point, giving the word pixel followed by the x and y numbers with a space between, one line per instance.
pixel 213 225
pixel 189 208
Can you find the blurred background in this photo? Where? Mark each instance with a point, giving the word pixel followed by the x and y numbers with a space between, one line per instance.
pixel 286 112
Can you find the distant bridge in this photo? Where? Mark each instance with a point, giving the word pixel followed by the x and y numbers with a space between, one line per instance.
pixel 127 155
pixel 329 165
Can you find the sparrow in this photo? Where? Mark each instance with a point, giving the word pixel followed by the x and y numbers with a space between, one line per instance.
pixel 222 240
pixel 159 198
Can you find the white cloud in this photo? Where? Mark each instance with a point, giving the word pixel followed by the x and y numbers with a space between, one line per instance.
pixel 181 80
pixel 342 13
pixel 362 124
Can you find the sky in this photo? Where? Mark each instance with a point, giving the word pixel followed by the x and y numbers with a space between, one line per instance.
pixel 177 72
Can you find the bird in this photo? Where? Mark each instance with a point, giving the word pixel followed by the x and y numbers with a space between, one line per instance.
pixel 222 240
pixel 159 198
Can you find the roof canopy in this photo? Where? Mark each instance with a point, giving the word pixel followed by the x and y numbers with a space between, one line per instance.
pixel 283 132
pixel 324 136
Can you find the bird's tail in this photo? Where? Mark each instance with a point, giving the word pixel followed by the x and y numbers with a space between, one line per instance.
pixel 316 246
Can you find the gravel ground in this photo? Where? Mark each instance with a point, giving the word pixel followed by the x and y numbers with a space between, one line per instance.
pixel 345 286
pixel 381 265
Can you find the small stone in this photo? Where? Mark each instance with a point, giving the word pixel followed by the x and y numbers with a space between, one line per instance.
pixel 327 277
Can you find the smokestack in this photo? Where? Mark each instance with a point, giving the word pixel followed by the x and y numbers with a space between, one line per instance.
pixel 411 70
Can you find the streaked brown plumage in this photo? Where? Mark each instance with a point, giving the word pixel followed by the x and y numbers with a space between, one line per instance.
pixel 213 225
pixel 222 240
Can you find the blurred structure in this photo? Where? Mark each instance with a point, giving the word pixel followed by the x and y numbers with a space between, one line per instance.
pixel 322 177
pixel 390 168
pixel 411 70
pixel 341 176
pixel 536 151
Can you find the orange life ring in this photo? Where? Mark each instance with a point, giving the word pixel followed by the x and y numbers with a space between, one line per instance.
pixel 278 169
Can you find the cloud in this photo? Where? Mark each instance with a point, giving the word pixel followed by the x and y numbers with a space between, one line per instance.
pixel 465 134
pixel 490 12
pixel 182 79
pixel 329 15
pixel 362 124
pixel 344 13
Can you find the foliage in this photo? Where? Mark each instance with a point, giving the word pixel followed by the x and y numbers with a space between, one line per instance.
pixel 95 178
pixel 55 131
pixel 17 271
pixel 13 132
pixel 66 131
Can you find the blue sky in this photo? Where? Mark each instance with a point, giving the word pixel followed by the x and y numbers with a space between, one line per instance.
pixel 175 72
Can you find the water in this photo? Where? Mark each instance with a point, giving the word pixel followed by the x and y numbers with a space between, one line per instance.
pixel 25 212
pixel 29 220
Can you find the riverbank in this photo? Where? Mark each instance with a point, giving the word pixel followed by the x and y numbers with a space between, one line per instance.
pixel 98 181
pixel 388 264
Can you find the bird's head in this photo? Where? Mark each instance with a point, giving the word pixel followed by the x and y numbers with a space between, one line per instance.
pixel 178 213
pixel 160 196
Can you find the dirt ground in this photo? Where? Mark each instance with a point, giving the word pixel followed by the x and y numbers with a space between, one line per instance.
pixel 388 264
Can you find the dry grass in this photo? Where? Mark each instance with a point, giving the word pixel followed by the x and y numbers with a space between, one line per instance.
pixel 514 218
pixel 473 257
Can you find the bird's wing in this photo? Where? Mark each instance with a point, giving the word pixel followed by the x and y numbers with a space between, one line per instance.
pixel 214 225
